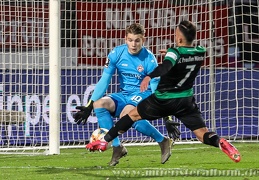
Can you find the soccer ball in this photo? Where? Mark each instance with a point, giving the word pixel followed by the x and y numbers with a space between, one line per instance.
pixel 98 134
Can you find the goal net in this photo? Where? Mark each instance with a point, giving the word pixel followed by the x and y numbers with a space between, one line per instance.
pixel 226 89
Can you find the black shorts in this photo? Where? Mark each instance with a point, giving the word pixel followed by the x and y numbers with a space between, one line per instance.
pixel 185 109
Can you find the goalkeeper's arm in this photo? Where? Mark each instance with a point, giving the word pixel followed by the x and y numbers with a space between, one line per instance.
pixel 85 111
pixel 101 86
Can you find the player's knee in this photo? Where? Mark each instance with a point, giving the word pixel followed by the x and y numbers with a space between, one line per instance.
pixel 104 103
pixel 99 103
pixel 134 115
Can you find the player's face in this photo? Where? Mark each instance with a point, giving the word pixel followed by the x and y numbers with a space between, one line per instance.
pixel 134 42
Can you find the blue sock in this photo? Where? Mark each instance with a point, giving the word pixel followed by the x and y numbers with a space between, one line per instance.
pixel 105 121
pixel 147 129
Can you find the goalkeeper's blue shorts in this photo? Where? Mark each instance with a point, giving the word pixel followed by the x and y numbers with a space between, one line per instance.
pixel 122 99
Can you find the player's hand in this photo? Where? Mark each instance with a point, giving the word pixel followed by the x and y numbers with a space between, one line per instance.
pixel 83 113
pixel 163 51
pixel 144 84
pixel 171 126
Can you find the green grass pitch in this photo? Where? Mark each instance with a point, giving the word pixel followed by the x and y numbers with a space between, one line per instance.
pixel 189 161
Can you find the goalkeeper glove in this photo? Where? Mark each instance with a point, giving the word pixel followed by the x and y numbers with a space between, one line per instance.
pixel 171 126
pixel 84 113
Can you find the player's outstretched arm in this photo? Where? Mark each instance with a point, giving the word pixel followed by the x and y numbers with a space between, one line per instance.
pixel 85 111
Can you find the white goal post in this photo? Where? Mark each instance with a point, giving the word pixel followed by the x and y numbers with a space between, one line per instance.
pixel 52 54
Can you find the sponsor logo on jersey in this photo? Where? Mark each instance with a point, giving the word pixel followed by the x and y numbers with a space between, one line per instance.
pixel 125 65
pixel 191 59
pixel 138 76
pixel 107 62
pixel 140 68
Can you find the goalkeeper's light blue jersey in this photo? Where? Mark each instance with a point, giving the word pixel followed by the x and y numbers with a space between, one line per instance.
pixel 131 70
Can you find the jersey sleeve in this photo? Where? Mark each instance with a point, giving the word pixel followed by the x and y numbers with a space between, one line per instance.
pixel 152 65
pixel 108 71
pixel 154 83
pixel 101 86
pixel 161 69
pixel 172 55
pixel 110 64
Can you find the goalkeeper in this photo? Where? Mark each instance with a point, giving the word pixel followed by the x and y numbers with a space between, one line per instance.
pixel 132 62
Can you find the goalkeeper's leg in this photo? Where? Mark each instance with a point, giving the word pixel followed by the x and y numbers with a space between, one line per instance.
pixel 105 121
pixel 144 127
pixel 148 129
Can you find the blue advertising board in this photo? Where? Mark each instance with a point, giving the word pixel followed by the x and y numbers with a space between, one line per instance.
pixel 236 104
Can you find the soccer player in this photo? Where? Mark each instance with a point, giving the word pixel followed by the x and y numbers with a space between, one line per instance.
pixel 132 62
pixel 174 94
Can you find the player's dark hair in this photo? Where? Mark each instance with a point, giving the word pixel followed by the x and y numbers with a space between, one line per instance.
pixel 188 29
pixel 135 28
